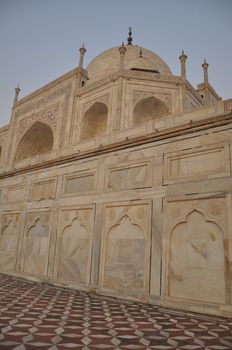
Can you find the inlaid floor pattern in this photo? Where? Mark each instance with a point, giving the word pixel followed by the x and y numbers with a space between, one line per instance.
pixel 41 316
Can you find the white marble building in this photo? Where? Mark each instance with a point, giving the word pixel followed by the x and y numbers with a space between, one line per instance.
pixel 117 178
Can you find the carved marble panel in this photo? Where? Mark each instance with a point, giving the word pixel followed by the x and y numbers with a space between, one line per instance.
pixel 75 244
pixel 201 162
pixel 9 240
pixel 15 194
pixel 125 247
pixel 129 176
pixel 197 235
pixel 165 97
pixel 36 242
pixel 43 190
pixel 49 116
pixel 79 183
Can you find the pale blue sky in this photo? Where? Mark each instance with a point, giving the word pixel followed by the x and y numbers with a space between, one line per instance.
pixel 39 39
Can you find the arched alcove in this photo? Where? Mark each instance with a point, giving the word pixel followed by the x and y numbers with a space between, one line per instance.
pixel 37 246
pixel 38 139
pixel 0 153
pixel 74 252
pixel 197 260
pixel 125 256
pixel 147 109
pixel 94 121
pixel 8 246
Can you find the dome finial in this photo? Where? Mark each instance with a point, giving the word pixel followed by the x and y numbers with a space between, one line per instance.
pixel 129 39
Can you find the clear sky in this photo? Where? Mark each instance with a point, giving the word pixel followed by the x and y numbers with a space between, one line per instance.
pixel 40 39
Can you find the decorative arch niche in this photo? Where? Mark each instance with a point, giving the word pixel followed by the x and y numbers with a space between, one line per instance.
pixel 197 260
pixel 94 121
pixel 125 256
pixel 74 252
pixel 8 245
pixel 37 140
pixel 36 248
pixel 149 108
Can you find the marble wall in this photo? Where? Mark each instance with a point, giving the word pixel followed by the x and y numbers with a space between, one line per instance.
pixel 152 223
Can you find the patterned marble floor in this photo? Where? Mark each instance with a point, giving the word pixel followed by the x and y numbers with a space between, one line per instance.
pixel 41 316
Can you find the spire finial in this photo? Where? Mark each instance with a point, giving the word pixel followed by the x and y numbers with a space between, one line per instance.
pixel 129 39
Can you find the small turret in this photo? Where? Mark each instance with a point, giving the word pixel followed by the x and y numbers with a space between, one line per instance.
pixel 17 91
pixel 183 59
pixel 82 53
pixel 205 66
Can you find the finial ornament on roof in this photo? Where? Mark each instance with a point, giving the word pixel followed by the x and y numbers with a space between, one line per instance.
pixel 183 56
pixel 129 39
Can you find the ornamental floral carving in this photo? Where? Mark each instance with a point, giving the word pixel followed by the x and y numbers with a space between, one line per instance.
pixel 49 116
pixel 139 95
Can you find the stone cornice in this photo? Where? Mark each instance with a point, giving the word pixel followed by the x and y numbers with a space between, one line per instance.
pixel 184 129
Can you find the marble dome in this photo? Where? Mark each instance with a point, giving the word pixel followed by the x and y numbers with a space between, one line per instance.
pixel 136 58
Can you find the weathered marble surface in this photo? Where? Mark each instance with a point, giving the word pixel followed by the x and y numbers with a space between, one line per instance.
pixel 36 243
pixel 9 241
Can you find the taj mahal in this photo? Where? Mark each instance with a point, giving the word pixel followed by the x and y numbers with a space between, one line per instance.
pixel 116 178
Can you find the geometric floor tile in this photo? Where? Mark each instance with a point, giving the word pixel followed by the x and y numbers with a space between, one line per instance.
pixel 37 316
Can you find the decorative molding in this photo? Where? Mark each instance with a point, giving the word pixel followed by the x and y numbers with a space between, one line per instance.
pixel 159 135
pixel 48 115
pixel 139 95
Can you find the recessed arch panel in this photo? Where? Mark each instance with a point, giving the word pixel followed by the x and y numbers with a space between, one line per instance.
pixel 37 140
pixel 94 121
pixel 149 108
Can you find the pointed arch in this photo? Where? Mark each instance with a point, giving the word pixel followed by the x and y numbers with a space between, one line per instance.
pixel 125 256
pixel 74 254
pixel 94 121
pixel 197 258
pixel 149 108
pixel 37 140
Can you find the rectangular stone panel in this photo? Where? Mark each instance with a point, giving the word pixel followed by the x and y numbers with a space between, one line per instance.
pixel 129 176
pixel 79 183
pixel 15 194
pixel 197 163
pixel 43 190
